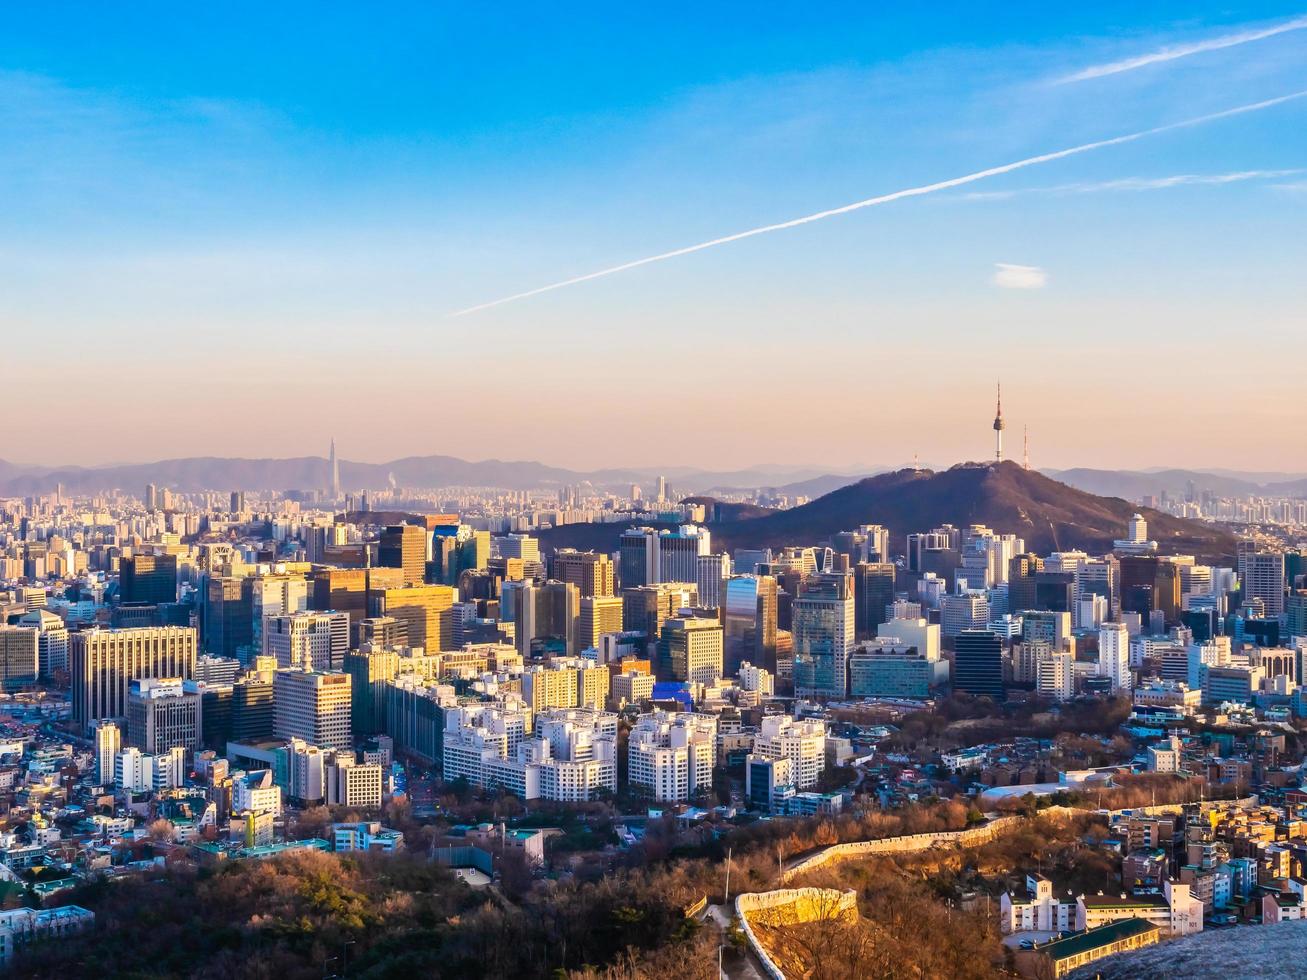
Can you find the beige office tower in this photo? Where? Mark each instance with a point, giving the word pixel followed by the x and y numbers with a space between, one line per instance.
pixel 404 546
pixel 105 662
pixel 592 687
pixel 590 571
pixel 633 687
pixel 599 615
pixel 426 610
pixel 549 687
pixel 313 706
pixel 690 649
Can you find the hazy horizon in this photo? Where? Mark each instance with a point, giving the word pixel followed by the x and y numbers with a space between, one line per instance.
pixel 786 470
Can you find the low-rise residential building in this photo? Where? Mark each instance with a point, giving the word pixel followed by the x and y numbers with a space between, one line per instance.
pixel 1175 911
pixel 1038 909
pixel 365 836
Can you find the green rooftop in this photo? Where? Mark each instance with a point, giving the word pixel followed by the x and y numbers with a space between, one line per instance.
pixel 1091 939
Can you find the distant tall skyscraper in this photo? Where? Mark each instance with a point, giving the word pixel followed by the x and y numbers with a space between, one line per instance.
pixel 151 497
pixel 334 466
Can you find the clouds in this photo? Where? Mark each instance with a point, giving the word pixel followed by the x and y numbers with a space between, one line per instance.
pixel 1010 276
pixel 899 195
pixel 1174 52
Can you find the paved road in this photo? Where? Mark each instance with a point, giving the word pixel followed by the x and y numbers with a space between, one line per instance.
pixel 742 964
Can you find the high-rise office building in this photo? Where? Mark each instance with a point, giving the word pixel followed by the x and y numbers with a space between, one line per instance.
pixel 20 656
pixel 873 594
pixel 314 706
pixel 963 612
pixel 369 671
pixel 749 623
pixel 590 571
pixel 1055 591
pixel 646 608
pixel 690 649
pixel 598 615
pixel 333 473
pixel 1261 574
pixel 404 546
pixel 823 627
pixel 385 631
pixel 1114 656
pixel 713 571
pixel 1149 583
pixel 52 641
pixel 252 703
pixel 161 715
pixel 978 664
pixel 637 562
pixel 275 595
pixel 108 743
pixel 307 640
pixel 229 617
pixel 679 552
pixel 148 579
pixel 1021 591
pixel 348 590
pixel 105 662
pixel 426 610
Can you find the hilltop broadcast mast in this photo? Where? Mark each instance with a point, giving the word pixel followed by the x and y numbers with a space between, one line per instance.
pixel 999 426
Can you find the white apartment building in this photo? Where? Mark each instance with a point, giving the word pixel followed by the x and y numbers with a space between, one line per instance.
pixel 255 792
pixel 1037 910
pixel 802 742
pixel 1055 676
pixel 1176 912
pixel 1114 656
pixel 671 755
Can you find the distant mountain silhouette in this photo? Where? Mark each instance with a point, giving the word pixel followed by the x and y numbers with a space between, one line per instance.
pixel 420 472
pixel 1049 515
pixel 1134 484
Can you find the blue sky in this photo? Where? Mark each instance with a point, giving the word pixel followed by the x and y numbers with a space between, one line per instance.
pixel 261 210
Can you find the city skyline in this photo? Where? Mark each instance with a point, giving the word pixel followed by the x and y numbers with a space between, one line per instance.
pixel 262 232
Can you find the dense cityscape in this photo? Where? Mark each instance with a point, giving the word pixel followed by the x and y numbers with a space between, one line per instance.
pixel 1079 753
pixel 728 491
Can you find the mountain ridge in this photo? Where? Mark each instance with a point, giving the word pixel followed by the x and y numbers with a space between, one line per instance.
pixel 1049 515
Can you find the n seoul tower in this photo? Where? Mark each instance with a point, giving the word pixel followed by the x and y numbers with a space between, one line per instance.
pixel 999 426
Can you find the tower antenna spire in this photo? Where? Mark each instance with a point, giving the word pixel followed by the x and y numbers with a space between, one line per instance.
pixel 999 426
pixel 1025 447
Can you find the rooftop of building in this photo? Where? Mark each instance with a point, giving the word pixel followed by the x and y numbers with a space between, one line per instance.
pixel 1091 939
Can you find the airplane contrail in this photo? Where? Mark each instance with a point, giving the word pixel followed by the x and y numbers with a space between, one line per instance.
pixel 1176 51
pixel 870 202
